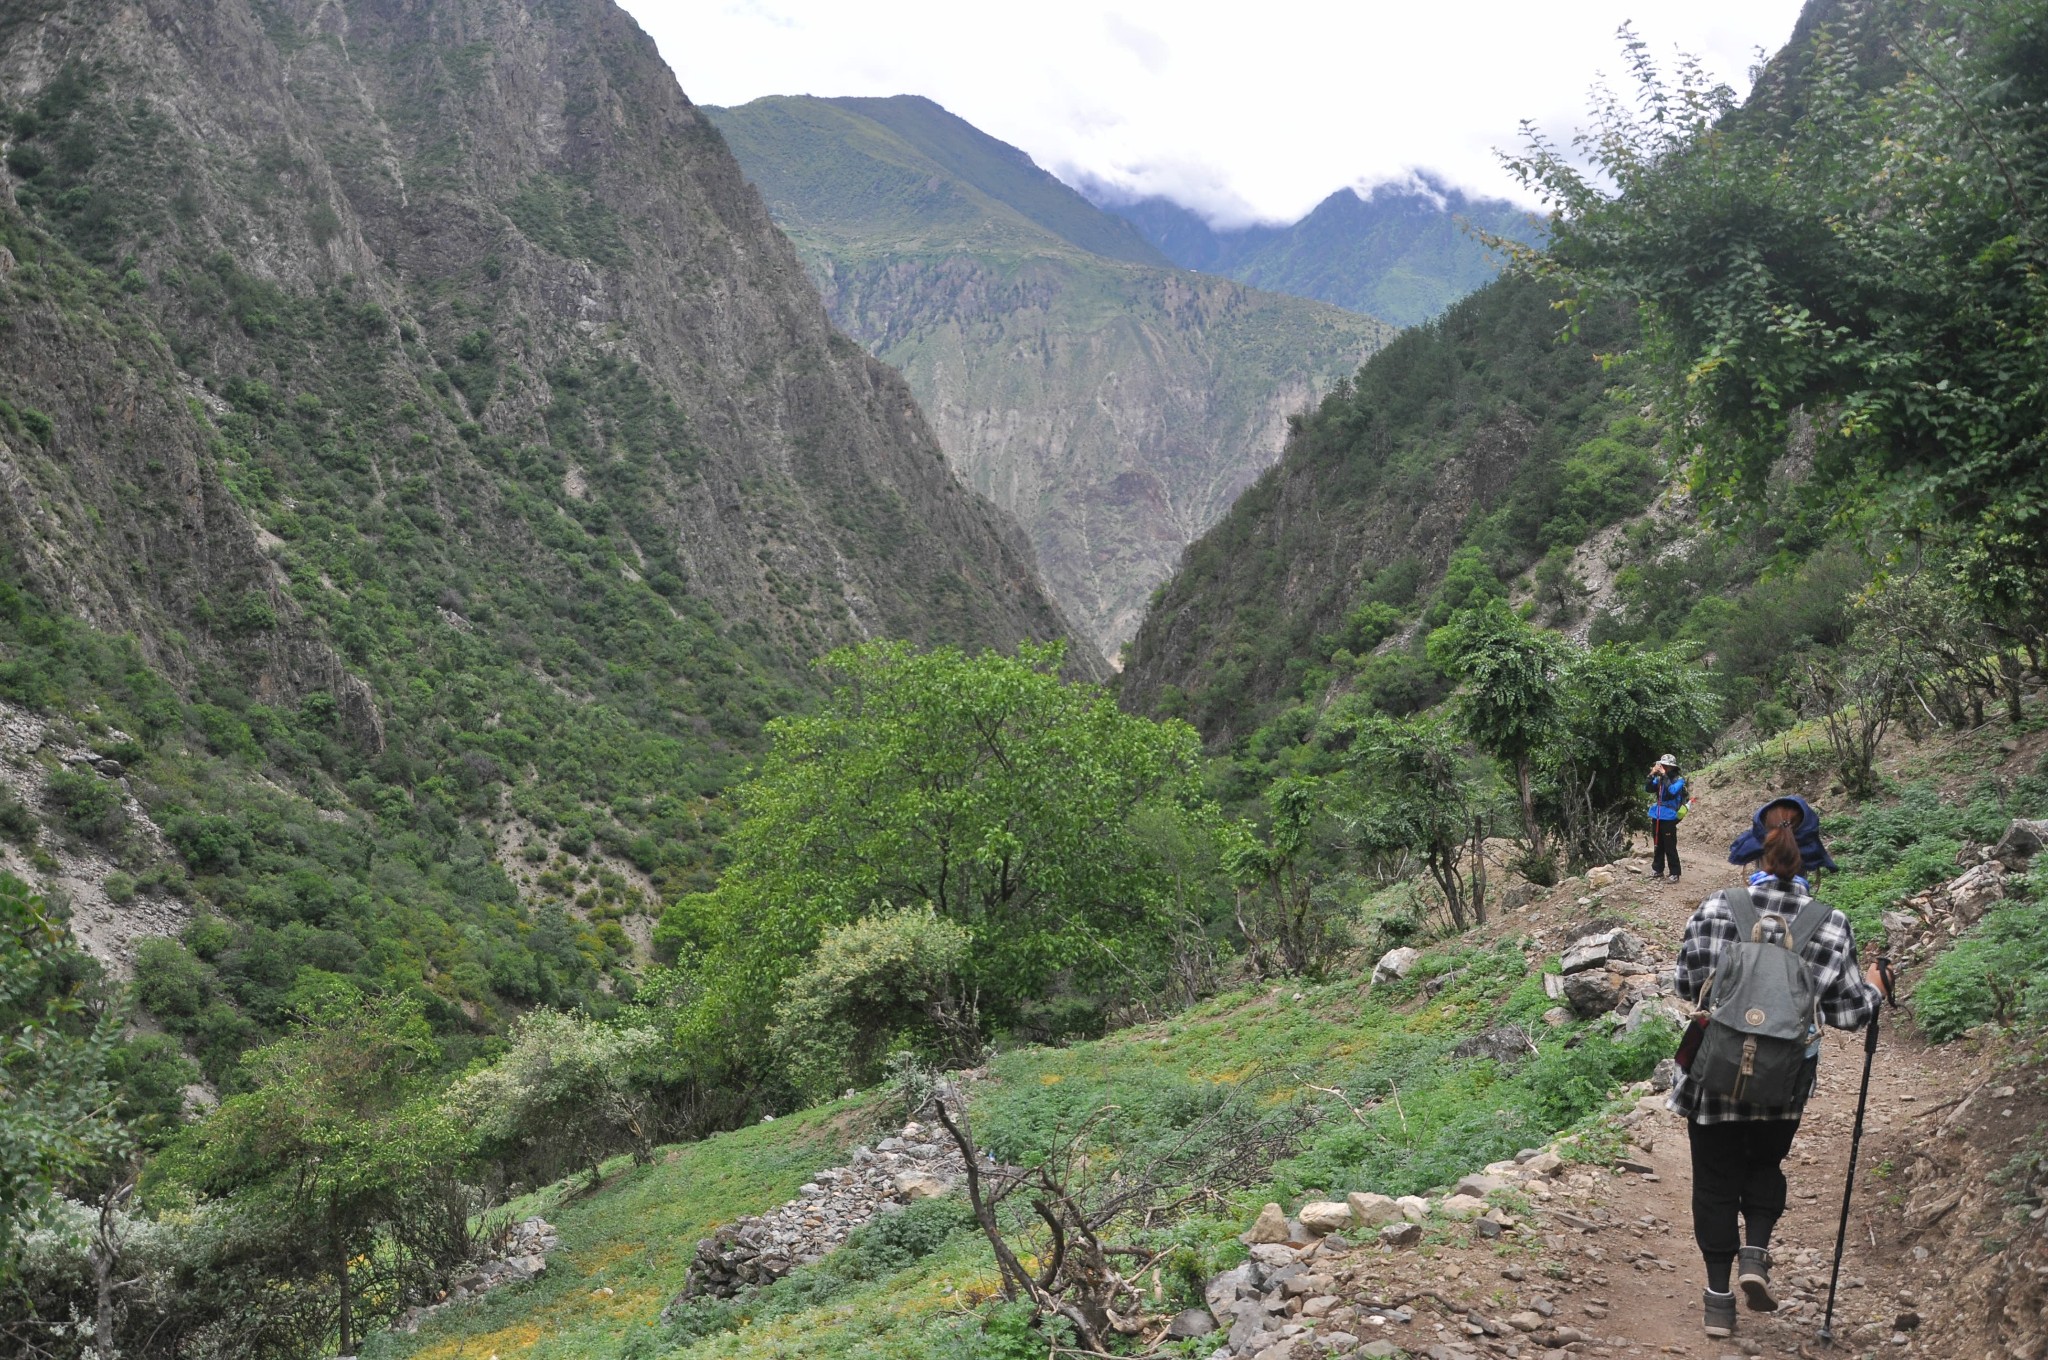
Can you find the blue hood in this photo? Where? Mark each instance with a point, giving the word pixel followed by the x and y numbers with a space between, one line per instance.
pixel 1749 846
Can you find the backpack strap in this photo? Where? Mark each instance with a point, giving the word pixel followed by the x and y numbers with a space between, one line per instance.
pixel 1801 929
pixel 1742 909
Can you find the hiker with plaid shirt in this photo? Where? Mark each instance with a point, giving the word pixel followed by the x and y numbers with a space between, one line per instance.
pixel 1739 1149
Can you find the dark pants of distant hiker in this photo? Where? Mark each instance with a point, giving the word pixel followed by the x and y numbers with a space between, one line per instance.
pixel 1664 836
pixel 1737 1172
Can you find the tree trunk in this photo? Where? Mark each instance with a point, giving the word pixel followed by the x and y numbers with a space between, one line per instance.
pixel 1479 868
pixel 1530 826
pixel 346 1326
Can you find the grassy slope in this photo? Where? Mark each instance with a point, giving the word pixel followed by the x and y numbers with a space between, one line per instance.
pixel 1275 1041
pixel 636 1235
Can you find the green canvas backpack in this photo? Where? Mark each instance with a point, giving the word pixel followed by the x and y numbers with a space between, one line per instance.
pixel 1763 1010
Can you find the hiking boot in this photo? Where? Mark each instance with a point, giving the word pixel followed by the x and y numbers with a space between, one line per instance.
pixel 1657 875
pixel 1720 1313
pixel 1753 1274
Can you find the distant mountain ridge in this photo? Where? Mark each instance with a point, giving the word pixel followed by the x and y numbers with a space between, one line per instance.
pixel 1402 252
pixel 1111 400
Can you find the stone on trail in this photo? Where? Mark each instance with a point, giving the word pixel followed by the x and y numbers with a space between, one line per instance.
pixel 1414 1208
pixel 1505 1044
pixel 1553 986
pixel 920 1185
pixel 1591 994
pixel 2020 843
pixel 1402 1234
pixel 1543 1164
pixel 1190 1322
pixel 1325 1216
pixel 1270 1226
pixel 1557 1015
pixel 1395 963
pixel 1601 877
pixel 1381 1349
pixel 1370 1210
pixel 1463 1206
pixel 1478 1186
pixel 1600 948
pixel 1970 894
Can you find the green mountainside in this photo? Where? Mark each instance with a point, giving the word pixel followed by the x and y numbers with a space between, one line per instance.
pixel 1403 252
pixel 426 469
pixel 1458 436
pixel 1113 403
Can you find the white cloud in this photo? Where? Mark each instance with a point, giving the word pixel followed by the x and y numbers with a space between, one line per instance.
pixel 1243 111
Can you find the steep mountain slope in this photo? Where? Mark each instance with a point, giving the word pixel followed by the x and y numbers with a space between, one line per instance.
pixel 1455 431
pixel 1113 403
pixel 1403 252
pixel 427 393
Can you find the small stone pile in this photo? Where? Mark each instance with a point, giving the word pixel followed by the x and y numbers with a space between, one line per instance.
pixel 1299 1296
pixel 520 1255
pixel 760 1249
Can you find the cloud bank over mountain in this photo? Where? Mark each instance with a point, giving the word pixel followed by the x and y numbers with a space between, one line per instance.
pixel 1242 118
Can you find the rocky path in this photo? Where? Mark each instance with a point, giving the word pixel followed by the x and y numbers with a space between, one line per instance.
pixel 1604 1262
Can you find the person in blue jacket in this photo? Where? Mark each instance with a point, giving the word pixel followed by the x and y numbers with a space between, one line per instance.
pixel 1665 809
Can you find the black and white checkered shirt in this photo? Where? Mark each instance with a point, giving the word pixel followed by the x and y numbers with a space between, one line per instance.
pixel 1846 1000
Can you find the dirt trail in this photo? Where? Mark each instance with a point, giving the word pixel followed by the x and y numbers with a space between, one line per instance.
pixel 1651 1301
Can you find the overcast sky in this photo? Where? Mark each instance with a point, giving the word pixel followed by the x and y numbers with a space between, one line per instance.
pixel 1256 109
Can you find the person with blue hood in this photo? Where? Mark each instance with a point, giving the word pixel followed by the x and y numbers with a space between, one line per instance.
pixel 1748 848
pixel 1739 1188
pixel 1668 805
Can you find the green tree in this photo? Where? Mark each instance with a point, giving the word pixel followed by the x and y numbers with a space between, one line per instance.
pixel 1409 791
pixel 339 1150
pixel 567 1089
pixel 887 981
pixel 1509 707
pixel 985 786
pixel 57 1101
pixel 1623 707
pixel 1859 251
pixel 1277 910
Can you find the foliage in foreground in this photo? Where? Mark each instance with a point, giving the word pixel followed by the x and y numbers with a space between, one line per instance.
pixel 1019 808
pixel 1855 254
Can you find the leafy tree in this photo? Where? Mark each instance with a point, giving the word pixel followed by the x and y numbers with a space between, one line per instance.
pixel 568 1090
pixel 1409 791
pixel 984 786
pixel 57 1101
pixel 1510 703
pixel 1277 910
pixel 1859 252
pixel 886 981
pixel 1623 707
pixel 339 1151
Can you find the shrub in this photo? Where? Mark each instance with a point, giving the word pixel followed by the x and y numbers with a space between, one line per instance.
pixel 119 887
pixel 885 979
pixel 169 981
pixel 567 1092
pixel 17 823
pixel 1997 972
pixel 90 806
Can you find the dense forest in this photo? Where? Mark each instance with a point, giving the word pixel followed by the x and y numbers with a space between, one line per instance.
pixel 550 736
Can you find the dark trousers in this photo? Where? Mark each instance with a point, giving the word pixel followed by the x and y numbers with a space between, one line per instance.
pixel 1664 837
pixel 1737 1172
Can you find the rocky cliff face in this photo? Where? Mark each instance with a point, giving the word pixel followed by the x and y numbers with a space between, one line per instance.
pixel 437 281
pixel 1115 405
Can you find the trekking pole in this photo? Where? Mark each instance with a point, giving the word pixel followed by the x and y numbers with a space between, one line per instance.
pixel 1827 1325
